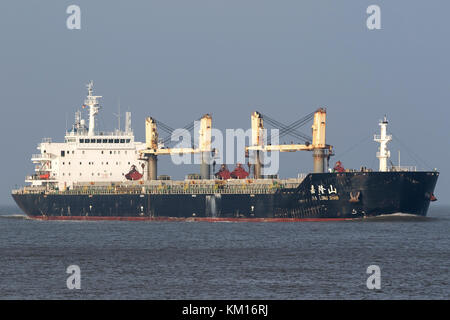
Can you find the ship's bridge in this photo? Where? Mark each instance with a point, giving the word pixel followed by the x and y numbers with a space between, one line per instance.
pixel 113 139
pixel 87 155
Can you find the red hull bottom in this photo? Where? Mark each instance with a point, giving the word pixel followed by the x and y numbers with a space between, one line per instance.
pixel 202 219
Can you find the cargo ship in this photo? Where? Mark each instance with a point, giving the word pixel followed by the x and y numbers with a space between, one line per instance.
pixel 96 175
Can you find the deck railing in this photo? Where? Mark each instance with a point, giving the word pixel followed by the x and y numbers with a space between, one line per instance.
pixel 175 187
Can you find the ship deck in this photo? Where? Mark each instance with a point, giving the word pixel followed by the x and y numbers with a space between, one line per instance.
pixel 232 186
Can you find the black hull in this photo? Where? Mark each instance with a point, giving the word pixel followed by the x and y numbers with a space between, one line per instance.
pixel 320 196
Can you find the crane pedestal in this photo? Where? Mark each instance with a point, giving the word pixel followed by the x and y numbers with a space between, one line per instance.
pixel 205 167
pixel 152 167
pixel 257 166
pixel 319 156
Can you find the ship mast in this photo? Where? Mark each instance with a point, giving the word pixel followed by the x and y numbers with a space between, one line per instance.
pixel 93 104
pixel 383 153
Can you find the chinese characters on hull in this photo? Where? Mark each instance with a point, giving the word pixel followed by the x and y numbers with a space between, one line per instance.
pixel 321 192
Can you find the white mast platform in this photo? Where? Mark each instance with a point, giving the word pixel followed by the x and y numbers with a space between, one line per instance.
pixel 383 153
pixel 93 104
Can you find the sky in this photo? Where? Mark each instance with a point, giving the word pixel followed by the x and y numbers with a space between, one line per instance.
pixel 176 60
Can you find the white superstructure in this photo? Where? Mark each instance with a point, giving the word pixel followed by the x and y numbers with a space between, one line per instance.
pixel 87 155
pixel 383 153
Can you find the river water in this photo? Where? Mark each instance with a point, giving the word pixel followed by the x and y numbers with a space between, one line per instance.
pixel 234 260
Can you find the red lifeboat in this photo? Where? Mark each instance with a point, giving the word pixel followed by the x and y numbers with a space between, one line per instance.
pixel 338 167
pixel 223 173
pixel 239 172
pixel 44 176
pixel 133 174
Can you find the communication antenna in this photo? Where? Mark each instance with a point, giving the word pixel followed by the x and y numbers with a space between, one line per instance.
pixel 92 103
pixel 128 121
pixel 118 116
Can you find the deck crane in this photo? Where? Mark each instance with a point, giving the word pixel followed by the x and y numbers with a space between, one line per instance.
pixel 320 149
pixel 153 149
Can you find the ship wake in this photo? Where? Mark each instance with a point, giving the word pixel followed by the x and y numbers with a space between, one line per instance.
pixel 398 216
pixel 15 216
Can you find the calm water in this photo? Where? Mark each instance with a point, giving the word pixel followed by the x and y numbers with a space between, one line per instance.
pixel 199 260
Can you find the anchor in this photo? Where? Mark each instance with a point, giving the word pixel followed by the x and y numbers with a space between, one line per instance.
pixel 354 198
pixel 431 196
